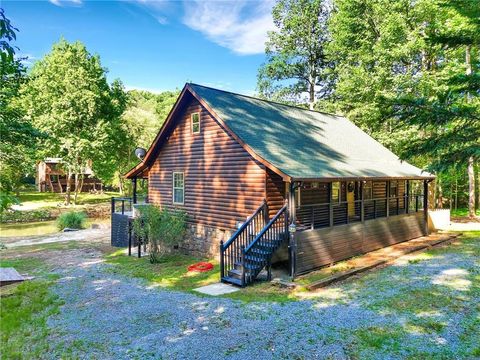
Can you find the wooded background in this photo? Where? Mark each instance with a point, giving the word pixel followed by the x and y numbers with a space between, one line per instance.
pixel 406 72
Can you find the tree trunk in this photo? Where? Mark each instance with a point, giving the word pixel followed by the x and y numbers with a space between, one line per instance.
pixel 311 91
pixel 82 177
pixel 68 189
pixel 59 184
pixel 120 184
pixel 471 189
pixel 76 189
pixel 439 195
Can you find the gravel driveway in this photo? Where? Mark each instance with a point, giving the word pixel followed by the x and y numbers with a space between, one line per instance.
pixel 108 316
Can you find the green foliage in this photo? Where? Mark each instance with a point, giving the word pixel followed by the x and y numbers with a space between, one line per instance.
pixel 144 114
pixel 12 216
pixel 68 97
pixel 296 60
pixel 163 229
pixel 71 220
pixel 17 134
pixel 401 75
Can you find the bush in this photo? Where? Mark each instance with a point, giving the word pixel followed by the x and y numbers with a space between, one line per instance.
pixel 15 216
pixel 72 220
pixel 162 229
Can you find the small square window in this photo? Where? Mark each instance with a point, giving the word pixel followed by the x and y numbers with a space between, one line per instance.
pixel 196 123
pixel 178 188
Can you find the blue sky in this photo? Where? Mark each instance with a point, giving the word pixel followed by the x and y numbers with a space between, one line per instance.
pixel 154 45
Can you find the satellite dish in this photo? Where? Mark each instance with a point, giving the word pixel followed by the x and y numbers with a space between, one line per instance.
pixel 140 153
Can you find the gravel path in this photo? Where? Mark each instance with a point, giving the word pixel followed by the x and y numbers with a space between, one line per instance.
pixel 108 316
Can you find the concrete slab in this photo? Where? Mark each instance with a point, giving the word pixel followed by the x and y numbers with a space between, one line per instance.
pixel 9 276
pixel 217 289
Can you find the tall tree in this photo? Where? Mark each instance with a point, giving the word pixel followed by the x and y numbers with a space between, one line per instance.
pixel 18 136
pixel 401 75
pixel 68 97
pixel 296 61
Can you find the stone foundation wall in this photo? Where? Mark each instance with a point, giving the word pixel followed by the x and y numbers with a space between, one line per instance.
pixel 204 241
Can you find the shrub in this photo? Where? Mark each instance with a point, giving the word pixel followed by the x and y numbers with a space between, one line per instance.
pixel 72 220
pixel 14 216
pixel 162 229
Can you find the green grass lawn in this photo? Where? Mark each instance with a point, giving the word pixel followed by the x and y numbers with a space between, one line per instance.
pixel 25 308
pixel 463 212
pixel 48 199
pixel 172 274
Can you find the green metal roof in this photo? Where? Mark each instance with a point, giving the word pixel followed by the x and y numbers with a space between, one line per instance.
pixel 305 144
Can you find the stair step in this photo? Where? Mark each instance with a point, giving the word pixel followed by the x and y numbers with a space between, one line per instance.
pixel 255 259
pixel 260 252
pixel 235 273
pixel 248 266
pixel 232 280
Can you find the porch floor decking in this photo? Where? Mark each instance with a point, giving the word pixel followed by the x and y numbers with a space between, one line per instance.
pixel 379 257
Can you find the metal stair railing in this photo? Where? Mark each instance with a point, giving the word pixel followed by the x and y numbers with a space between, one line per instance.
pixel 231 252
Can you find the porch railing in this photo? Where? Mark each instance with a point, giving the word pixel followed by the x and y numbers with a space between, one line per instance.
pixel 121 205
pixel 313 216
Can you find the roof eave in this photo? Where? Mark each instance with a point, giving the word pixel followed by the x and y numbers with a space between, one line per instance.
pixel 364 178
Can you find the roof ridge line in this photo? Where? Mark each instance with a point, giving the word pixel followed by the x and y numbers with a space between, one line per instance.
pixel 265 100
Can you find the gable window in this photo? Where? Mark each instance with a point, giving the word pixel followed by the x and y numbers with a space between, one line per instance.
pixel 178 188
pixel 195 118
pixel 335 192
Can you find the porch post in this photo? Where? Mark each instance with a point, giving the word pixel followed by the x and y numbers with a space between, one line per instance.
pixel 134 189
pixel 291 234
pixel 407 199
pixel 425 205
pixel 362 203
pixel 330 204
pixel 388 200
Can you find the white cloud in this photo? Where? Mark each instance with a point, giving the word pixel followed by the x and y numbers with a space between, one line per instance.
pixel 66 2
pixel 240 26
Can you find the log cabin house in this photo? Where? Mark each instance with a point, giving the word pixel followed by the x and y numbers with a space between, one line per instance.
pixel 50 177
pixel 262 181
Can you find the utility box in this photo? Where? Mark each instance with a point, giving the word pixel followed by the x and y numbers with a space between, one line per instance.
pixel 438 219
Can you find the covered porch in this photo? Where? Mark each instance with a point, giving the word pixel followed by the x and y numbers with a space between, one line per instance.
pixel 336 220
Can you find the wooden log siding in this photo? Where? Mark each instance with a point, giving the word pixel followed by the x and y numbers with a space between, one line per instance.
pixel 223 183
pixel 325 246
pixel 275 192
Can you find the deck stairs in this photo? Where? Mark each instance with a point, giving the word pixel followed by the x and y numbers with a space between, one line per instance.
pixel 251 248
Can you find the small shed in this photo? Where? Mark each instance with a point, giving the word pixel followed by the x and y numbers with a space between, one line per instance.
pixel 51 177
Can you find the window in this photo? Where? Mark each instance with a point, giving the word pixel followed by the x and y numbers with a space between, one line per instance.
pixel 393 188
pixel 195 123
pixel 367 190
pixel 178 188
pixel 336 191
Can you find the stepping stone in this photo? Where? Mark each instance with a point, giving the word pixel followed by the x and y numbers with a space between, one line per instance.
pixel 9 276
pixel 217 289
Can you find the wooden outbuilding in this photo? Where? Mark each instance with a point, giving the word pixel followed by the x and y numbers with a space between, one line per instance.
pixel 261 180
pixel 51 177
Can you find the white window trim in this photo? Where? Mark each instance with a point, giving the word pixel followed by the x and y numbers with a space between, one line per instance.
pixel 191 123
pixel 174 188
